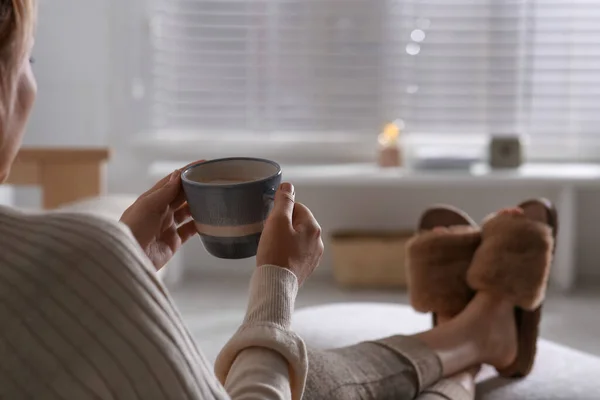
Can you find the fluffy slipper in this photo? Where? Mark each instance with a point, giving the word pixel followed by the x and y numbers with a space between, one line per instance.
pixel 438 260
pixel 513 261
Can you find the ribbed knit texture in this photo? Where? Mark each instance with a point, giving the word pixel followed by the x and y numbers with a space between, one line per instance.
pixel 266 302
pixel 268 317
pixel 83 316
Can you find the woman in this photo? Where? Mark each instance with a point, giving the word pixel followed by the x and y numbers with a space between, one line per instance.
pixel 84 316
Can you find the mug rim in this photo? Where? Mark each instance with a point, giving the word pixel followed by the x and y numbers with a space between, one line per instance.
pixel 185 179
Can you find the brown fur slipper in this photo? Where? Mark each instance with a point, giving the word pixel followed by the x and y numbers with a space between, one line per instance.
pixel 513 261
pixel 438 261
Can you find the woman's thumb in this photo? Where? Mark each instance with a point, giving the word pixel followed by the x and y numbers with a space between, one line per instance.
pixel 284 201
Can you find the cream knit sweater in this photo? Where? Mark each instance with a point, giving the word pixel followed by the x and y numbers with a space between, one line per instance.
pixel 83 316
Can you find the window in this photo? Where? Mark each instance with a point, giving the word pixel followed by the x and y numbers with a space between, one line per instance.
pixel 343 68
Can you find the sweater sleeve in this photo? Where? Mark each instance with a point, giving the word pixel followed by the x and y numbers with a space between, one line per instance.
pixel 265 359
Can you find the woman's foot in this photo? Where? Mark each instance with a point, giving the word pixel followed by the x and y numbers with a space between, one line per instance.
pixel 484 332
pixel 513 262
pixel 491 320
pixel 465 378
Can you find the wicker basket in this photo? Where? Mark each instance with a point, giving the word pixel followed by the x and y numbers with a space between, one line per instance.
pixel 370 259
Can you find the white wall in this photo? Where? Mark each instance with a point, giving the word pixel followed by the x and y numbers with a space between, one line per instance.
pixel 89 52
pixel 72 53
pixel 86 55
pixel 72 59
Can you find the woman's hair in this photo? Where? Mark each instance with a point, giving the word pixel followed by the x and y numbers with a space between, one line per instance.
pixel 17 21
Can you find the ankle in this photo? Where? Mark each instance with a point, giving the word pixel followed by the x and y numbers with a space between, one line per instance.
pixel 491 302
pixel 484 311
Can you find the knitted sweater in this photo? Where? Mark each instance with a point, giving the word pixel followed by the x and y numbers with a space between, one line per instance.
pixel 83 316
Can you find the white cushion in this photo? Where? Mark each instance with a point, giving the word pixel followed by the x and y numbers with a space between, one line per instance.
pixel 111 207
pixel 560 373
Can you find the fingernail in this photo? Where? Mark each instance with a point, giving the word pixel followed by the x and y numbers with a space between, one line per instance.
pixel 174 176
pixel 287 187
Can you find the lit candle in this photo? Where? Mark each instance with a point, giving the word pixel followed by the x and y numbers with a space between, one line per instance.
pixel 389 147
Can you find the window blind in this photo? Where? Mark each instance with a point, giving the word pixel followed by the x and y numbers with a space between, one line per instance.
pixel 474 67
pixel 563 80
pixel 269 65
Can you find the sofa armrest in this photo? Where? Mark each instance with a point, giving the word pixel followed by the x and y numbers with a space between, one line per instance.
pixel 112 206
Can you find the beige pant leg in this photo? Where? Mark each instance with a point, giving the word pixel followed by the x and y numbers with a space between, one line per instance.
pixel 395 368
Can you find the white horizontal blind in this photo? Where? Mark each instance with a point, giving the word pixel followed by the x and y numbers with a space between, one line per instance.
pixel 209 64
pixel 463 65
pixel 564 79
pixel 267 65
pixel 444 66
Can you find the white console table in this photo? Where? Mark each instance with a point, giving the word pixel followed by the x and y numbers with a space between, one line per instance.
pixel 565 179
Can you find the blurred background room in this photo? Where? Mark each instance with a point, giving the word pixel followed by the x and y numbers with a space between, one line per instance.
pixel 374 108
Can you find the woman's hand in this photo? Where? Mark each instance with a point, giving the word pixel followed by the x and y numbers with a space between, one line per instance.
pixel 291 237
pixel 160 220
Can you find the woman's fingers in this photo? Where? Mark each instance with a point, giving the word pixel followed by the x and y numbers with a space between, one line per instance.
pixel 179 200
pixel 166 179
pixel 187 231
pixel 303 220
pixel 172 221
pixel 283 205
pixel 183 214
pixel 157 186
pixel 190 164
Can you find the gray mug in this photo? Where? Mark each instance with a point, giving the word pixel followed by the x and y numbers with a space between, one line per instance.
pixel 230 200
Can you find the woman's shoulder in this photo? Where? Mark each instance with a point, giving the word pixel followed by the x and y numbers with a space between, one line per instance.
pixel 64 240
pixel 73 227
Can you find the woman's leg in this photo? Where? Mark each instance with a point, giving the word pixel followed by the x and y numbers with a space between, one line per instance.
pixel 485 332
pixel 367 371
pixel 457 387
pixel 401 367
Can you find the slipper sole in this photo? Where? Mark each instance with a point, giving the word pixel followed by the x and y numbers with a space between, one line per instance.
pixel 528 322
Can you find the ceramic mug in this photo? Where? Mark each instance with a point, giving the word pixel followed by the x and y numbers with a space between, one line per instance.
pixel 230 200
